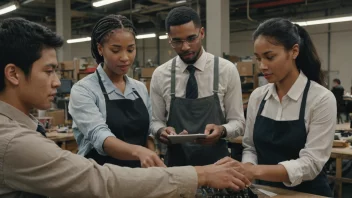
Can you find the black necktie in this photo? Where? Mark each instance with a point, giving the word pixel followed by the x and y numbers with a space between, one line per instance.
pixel 41 130
pixel 192 86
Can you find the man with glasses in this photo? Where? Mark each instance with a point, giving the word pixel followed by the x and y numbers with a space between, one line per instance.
pixel 195 92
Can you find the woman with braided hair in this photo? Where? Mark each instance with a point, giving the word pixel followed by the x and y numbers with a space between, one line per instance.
pixel 110 111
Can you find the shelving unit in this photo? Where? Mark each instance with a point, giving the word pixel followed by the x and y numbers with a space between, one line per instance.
pixel 248 72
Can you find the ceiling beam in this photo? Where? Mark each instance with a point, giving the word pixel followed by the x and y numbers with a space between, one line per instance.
pixel 165 2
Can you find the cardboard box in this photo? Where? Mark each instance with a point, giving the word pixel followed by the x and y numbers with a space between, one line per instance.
pixel 147 72
pixel 67 65
pixel 58 117
pixel 245 68
pixel 234 59
pixel 82 75
pixel 68 75
pixel 340 144
pixel 146 82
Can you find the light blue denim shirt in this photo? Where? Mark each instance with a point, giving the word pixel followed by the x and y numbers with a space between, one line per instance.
pixel 88 110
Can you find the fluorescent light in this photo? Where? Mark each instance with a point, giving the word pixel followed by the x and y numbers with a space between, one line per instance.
pixel 183 1
pixel 325 20
pixel 143 36
pixel 104 2
pixel 163 37
pixel 8 8
pixel 78 40
pixel 26 2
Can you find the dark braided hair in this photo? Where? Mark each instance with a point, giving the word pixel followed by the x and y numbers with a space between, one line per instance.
pixel 102 29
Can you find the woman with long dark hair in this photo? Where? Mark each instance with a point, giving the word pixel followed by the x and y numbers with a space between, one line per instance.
pixel 290 121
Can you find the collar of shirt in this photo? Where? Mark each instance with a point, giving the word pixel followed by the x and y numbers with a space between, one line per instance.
pixel 295 91
pixel 199 64
pixel 109 85
pixel 14 114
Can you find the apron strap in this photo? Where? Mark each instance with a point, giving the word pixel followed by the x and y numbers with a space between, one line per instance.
pixel 216 75
pixel 102 86
pixel 304 101
pixel 262 104
pixel 136 92
pixel 173 76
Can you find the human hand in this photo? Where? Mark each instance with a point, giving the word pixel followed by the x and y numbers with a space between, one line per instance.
pixel 164 132
pixel 244 169
pixel 221 176
pixel 213 133
pixel 148 158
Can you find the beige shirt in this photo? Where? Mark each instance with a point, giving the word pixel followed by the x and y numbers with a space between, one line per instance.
pixel 31 165
pixel 230 93
pixel 320 122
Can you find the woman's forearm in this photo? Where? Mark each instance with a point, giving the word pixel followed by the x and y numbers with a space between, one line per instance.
pixel 119 149
pixel 273 173
pixel 150 143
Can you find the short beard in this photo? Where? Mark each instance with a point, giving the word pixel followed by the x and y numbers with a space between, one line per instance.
pixel 193 60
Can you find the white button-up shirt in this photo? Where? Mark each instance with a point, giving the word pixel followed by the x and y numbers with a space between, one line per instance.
pixel 230 93
pixel 320 121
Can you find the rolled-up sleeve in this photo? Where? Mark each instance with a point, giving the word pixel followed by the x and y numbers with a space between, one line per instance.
pixel 317 150
pixel 158 103
pixel 249 153
pixel 37 165
pixel 87 117
pixel 233 104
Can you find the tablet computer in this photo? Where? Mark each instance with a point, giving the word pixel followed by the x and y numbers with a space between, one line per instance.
pixel 179 139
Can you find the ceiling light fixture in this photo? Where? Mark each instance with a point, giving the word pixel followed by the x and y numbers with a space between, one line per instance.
pixel 183 1
pixel 78 40
pixel 143 36
pixel 335 19
pixel 8 8
pixel 163 37
pixel 104 2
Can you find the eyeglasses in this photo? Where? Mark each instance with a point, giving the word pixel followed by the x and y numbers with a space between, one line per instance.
pixel 179 43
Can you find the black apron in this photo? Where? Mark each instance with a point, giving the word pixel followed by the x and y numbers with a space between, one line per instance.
pixel 129 121
pixel 193 115
pixel 277 141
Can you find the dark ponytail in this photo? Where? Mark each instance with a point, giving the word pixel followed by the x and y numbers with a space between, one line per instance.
pixel 308 60
pixel 102 29
pixel 288 34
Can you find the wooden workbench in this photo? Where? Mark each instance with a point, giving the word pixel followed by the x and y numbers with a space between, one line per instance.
pixel 339 154
pixel 343 127
pixel 65 140
pixel 283 193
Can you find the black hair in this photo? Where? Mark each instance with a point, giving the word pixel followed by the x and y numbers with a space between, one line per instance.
pixel 102 29
pixel 288 34
pixel 338 81
pixel 182 15
pixel 21 44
